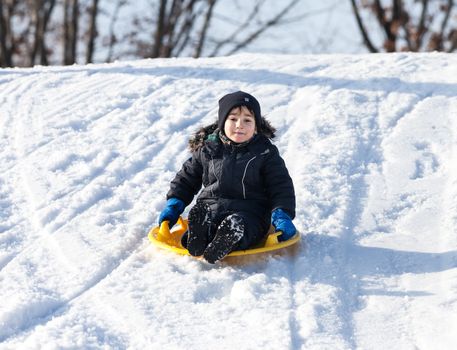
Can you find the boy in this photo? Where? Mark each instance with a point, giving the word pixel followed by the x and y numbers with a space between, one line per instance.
pixel 246 185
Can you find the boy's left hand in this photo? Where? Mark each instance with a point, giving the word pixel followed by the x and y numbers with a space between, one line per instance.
pixel 171 213
pixel 282 222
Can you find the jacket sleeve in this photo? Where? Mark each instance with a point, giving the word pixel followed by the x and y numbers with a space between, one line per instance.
pixel 187 181
pixel 278 182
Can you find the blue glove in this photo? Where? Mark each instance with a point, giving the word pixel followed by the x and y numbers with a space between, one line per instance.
pixel 171 213
pixel 282 222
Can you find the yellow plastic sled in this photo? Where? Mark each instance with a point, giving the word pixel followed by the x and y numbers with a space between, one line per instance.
pixel 171 240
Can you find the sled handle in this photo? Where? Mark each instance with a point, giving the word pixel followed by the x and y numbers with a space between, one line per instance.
pixel 164 230
pixel 272 239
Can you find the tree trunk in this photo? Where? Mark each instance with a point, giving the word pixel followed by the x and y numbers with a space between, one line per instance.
pixel 42 12
pixel 6 59
pixel 92 31
pixel 159 33
pixel 47 17
pixel 71 16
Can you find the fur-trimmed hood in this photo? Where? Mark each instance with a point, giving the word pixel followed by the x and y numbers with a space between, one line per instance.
pixel 198 139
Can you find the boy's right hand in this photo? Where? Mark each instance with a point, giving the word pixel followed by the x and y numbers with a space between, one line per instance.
pixel 171 213
pixel 282 222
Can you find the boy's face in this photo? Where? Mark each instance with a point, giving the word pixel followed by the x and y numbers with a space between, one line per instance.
pixel 239 125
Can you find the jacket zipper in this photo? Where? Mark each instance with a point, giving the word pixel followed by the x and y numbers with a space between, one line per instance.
pixel 244 175
pixel 214 171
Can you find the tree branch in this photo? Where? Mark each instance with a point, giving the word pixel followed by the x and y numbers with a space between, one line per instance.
pixel 112 36
pixel 202 36
pixel 366 39
pixel 183 29
pixel 231 37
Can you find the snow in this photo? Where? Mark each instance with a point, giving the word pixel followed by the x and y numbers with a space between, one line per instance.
pixel 86 157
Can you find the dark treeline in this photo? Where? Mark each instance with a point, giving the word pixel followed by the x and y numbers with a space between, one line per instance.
pixel 64 32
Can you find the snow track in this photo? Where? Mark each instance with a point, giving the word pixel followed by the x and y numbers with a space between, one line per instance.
pixel 86 156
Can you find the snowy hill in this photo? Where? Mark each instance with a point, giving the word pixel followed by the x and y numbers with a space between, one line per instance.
pixel 86 156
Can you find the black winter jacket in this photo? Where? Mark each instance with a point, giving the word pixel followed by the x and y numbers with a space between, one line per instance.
pixel 252 178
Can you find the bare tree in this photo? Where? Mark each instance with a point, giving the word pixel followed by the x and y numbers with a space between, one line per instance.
pixel 181 27
pixel 7 44
pixel 93 13
pixel 160 29
pixel 41 13
pixel 70 36
pixel 175 28
pixel 174 24
pixel 403 30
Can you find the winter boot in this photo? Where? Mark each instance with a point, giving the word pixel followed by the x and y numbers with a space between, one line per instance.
pixel 184 239
pixel 199 226
pixel 228 234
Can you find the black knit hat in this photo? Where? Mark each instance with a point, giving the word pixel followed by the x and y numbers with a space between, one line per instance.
pixel 237 99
